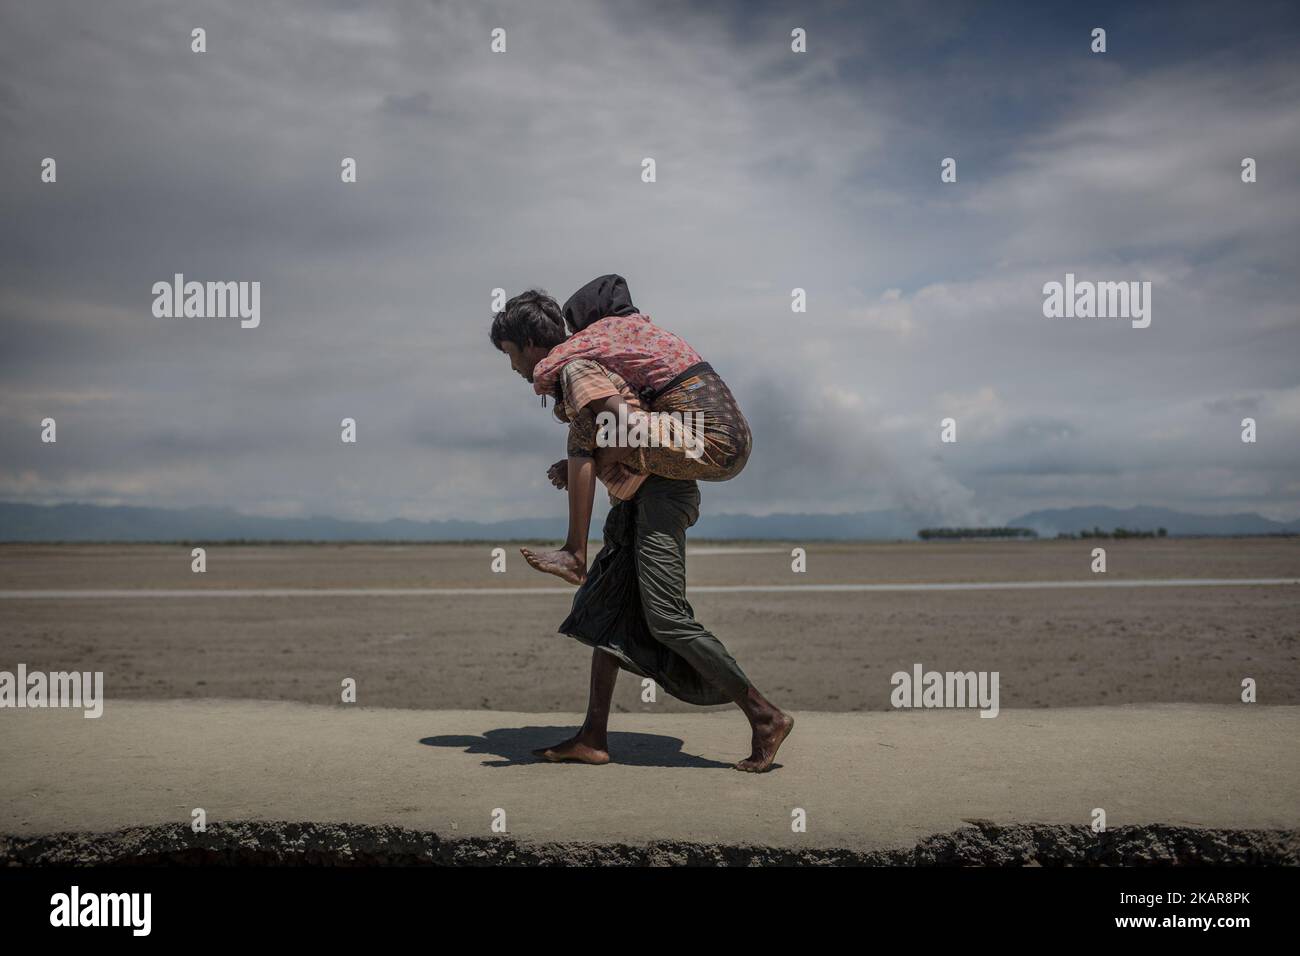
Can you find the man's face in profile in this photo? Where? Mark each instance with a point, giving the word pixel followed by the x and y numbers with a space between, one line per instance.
pixel 523 360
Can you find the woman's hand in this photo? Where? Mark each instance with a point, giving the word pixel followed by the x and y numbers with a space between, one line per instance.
pixel 559 474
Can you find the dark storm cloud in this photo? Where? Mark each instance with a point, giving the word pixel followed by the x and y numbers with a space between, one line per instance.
pixel 417 104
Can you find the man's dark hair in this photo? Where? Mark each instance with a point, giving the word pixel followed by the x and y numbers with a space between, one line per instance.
pixel 530 318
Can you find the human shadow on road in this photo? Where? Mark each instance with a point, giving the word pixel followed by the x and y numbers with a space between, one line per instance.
pixel 515 746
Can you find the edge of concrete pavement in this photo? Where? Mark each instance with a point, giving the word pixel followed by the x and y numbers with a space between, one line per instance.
pixel 288 783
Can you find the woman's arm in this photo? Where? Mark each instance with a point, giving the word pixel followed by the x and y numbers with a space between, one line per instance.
pixel 609 454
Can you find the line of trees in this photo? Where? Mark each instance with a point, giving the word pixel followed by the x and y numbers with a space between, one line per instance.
pixel 926 534
pixel 1117 533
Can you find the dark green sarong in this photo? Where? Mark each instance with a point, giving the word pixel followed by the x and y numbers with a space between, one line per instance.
pixel 633 604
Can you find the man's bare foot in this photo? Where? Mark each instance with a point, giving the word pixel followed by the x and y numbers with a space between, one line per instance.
pixel 769 734
pixel 563 564
pixel 573 751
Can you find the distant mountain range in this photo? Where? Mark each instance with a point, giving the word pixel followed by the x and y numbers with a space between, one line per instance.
pixel 80 522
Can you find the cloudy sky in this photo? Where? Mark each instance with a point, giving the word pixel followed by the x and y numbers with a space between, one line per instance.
pixel 776 170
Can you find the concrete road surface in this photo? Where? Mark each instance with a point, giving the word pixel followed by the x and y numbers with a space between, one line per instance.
pixel 864 781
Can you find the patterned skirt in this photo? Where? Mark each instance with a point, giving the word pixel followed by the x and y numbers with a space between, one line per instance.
pixel 694 430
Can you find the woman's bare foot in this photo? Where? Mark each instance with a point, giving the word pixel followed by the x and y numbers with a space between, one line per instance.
pixel 573 750
pixel 563 564
pixel 769 734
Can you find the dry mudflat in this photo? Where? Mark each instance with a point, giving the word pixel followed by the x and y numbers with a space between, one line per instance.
pixel 830 651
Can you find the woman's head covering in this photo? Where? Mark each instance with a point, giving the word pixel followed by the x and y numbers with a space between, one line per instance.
pixel 603 296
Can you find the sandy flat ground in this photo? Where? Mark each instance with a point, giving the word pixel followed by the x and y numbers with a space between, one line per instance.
pixel 809 651
pixel 864 781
